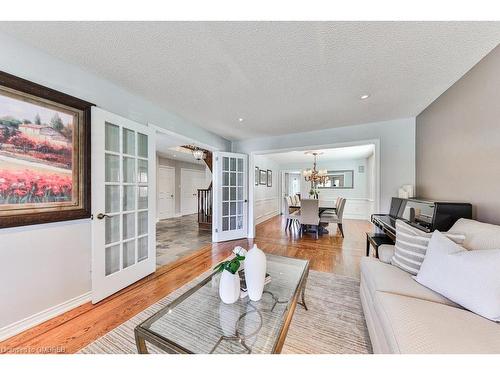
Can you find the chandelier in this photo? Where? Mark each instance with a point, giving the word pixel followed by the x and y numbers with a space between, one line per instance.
pixel 313 175
pixel 198 153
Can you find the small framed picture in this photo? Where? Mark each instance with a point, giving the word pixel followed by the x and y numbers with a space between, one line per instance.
pixel 256 178
pixel 262 177
pixel 269 178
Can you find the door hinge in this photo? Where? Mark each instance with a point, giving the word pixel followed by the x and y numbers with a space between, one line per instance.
pixel 216 158
pixel 216 230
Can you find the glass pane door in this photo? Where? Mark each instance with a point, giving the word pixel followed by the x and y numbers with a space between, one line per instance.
pixel 232 193
pixel 126 197
pixel 123 225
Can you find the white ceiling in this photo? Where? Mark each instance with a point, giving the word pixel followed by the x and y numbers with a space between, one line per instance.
pixel 168 147
pixel 331 154
pixel 280 77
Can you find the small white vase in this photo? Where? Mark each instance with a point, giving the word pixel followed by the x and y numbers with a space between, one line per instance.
pixel 255 272
pixel 229 287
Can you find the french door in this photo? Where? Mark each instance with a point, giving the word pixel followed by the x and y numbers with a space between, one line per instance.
pixel 123 203
pixel 230 196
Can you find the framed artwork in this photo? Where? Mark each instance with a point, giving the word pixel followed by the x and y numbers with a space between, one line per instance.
pixel 44 154
pixel 269 178
pixel 256 177
pixel 262 177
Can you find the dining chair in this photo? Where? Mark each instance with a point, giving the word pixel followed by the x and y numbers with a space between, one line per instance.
pixel 336 218
pixel 332 211
pixel 309 214
pixel 291 217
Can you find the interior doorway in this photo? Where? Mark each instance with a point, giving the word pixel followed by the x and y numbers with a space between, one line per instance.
pixel 184 187
pixel 290 185
pixel 360 159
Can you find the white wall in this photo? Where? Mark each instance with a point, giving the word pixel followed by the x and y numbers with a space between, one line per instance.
pixel 42 267
pixel 178 165
pixel 396 142
pixel 266 199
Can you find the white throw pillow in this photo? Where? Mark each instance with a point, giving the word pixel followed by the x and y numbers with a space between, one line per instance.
pixel 469 278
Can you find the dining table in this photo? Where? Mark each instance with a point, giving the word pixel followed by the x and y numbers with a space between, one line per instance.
pixel 323 206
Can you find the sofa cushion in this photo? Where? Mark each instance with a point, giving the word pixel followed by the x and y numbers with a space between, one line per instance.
pixel 469 278
pixel 478 236
pixel 385 253
pixel 411 246
pixel 384 277
pixel 413 325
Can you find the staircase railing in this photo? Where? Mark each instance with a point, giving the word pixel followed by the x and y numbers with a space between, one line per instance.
pixel 205 208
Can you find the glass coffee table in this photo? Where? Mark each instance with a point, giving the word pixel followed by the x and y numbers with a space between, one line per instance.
pixel 199 322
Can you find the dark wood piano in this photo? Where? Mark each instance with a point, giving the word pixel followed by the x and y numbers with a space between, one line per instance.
pixel 426 215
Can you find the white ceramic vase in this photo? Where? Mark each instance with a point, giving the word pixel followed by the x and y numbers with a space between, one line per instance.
pixel 229 287
pixel 255 272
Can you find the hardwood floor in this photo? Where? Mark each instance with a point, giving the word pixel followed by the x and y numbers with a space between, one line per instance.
pixel 73 330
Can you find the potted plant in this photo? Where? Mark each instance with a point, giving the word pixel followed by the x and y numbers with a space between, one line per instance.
pixel 314 193
pixel 229 286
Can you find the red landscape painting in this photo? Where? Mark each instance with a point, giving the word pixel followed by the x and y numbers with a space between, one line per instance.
pixel 36 153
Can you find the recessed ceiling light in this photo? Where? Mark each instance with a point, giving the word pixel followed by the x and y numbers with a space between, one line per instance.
pixel 364 96
pixel 240 119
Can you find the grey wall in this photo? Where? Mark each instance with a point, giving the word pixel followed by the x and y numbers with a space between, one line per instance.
pixel 458 142
pixel 178 165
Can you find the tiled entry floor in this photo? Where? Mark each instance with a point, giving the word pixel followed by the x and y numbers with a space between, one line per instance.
pixel 178 237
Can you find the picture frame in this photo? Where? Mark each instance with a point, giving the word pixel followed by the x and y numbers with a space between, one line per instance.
pixel 262 177
pixel 45 154
pixel 269 178
pixel 256 177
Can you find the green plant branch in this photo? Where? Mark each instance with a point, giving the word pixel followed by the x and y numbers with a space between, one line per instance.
pixel 231 265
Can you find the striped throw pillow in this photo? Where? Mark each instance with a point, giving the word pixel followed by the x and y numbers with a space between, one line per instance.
pixel 411 246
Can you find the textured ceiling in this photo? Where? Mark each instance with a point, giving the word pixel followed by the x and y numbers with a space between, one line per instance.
pixel 330 154
pixel 280 77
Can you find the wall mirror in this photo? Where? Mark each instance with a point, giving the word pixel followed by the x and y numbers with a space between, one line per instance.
pixel 342 179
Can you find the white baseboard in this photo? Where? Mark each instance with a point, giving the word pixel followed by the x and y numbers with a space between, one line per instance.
pixel 43 316
pixel 266 216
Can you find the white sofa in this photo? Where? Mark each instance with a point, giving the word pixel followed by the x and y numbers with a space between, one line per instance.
pixel 403 316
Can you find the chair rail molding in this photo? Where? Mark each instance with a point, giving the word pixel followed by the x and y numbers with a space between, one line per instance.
pixel 265 208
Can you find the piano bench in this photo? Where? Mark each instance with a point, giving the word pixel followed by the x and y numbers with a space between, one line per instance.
pixel 376 240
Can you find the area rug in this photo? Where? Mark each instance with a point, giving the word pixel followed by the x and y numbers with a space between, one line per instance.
pixel 334 323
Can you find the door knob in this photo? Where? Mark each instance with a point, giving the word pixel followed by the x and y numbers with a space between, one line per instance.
pixel 102 216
